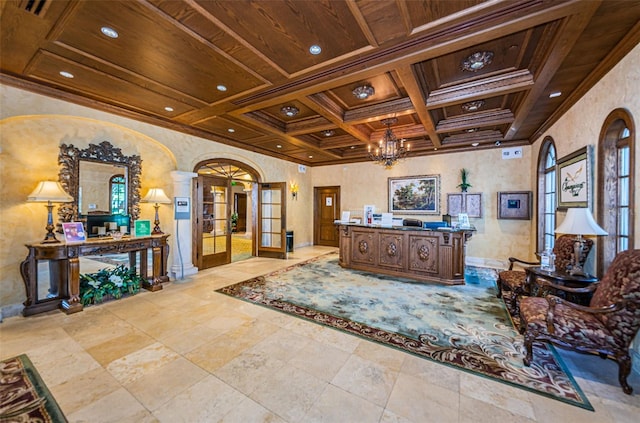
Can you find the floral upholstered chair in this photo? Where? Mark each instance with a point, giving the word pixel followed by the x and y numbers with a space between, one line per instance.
pixel 606 327
pixel 516 280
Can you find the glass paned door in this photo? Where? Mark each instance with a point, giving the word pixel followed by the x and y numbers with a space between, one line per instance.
pixel 214 222
pixel 271 220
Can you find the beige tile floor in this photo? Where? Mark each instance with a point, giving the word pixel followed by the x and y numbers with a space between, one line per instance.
pixel 188 354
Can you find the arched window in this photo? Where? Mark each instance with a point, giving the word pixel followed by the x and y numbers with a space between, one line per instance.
pixel 546 195
pixel 615 186
pixel 118 194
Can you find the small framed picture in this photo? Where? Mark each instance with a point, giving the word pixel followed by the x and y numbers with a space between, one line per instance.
pixel 142 228
pixel 74 232
pixel 574 178
pixel 514 205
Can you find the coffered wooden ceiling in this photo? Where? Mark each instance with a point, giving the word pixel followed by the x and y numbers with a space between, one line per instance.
pixel 169 57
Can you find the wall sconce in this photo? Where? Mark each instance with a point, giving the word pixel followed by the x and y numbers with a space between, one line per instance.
pixel 51 192
pixel 156 196
pixel 293 186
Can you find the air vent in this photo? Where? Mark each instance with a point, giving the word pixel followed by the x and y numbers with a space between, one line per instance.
pixel 36 7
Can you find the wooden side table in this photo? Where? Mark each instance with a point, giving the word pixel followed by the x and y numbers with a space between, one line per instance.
pixel 559 278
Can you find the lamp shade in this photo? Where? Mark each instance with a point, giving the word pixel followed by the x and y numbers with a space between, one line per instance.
pixel 49 191
pixel 156 195
pixel 579 221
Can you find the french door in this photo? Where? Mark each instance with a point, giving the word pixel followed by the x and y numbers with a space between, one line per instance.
pixel 271 219
pixel 213 222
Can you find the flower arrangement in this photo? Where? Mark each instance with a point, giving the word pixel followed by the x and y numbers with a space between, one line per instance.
pixel 108 283
pixel 464 174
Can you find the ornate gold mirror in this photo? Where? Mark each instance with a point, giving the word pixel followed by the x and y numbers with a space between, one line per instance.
pixel 94 177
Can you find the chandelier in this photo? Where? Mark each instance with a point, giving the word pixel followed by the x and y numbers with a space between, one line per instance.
pixel 389 150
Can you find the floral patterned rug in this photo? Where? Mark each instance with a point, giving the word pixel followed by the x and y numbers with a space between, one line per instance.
pixel 23 395
pixel 464 326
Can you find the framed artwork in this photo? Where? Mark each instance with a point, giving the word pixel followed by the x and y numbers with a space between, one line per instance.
pixel 74 232
pixel 415 194
pixel 574 176
pixel 469 203
pixel 455 204
pixel 514 205
pixel 142 227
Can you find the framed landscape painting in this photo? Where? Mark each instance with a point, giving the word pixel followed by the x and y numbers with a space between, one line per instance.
pixel 415 194
pixel 574 179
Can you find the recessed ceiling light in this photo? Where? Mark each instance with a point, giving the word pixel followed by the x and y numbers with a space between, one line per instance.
pixel 310 156
pixel 328 132
pixel 231 130
pixel 290 111
pixel 221 88
pixel 169 109
pixel 109 32
pixel 555 94
pixel 66 74
pixel 475 144
pixel 278 146
pixel 498 143
pixel 353 147
pixel 315 49
pixel 363 92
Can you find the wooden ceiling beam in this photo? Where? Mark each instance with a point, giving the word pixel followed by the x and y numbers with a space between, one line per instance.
pixel 475 90
pixel 568 35
pixel 326 107
pixel 475 120
pixel 408 79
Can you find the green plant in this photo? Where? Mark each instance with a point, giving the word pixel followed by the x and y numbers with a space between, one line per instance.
pixel 464 174
pixel 109 282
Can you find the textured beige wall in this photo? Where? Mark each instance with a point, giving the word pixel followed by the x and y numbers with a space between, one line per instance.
pixel 33 126
pixel 367 183
pixel 31 131
pixel 582 124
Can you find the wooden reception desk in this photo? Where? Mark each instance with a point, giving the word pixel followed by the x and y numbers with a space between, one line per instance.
pixel 416 253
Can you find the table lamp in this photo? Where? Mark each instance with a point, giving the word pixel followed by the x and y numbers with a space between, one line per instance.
pixel 579 221
pixel 156 196
pixel 51 192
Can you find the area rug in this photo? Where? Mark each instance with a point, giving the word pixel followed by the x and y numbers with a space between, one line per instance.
pixel 23 395
pixel 463 326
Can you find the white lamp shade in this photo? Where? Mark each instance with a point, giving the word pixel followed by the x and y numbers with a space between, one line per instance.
pixel 156 195
pixel 579 221
pixel 50 191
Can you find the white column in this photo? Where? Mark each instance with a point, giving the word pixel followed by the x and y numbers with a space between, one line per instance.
pixel 181 243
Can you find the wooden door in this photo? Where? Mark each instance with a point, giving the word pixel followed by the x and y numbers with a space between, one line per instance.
pixel 272 219
pixel 240 204
pixel 213 222
pixel 325 211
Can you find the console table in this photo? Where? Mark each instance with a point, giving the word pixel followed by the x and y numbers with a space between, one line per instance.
pixel 416 253
pixel 64 268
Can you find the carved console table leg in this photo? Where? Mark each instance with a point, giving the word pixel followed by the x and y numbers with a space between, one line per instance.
pixel 73 304
pixel 154 284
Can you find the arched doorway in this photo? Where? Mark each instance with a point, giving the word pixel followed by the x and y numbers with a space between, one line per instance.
pixel 225 199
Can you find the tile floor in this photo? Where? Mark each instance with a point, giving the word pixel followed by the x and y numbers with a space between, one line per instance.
pixel 188 354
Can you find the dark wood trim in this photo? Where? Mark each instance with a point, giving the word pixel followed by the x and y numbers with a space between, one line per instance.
pixel 606 167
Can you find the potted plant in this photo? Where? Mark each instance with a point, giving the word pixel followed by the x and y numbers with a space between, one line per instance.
pixel 464 174
pixel 234 222
pixel 109 283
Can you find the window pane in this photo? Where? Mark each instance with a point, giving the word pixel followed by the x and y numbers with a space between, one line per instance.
pixel 623 221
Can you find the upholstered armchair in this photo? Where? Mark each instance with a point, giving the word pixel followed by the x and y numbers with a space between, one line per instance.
pixel 516 280
pixel 607 327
